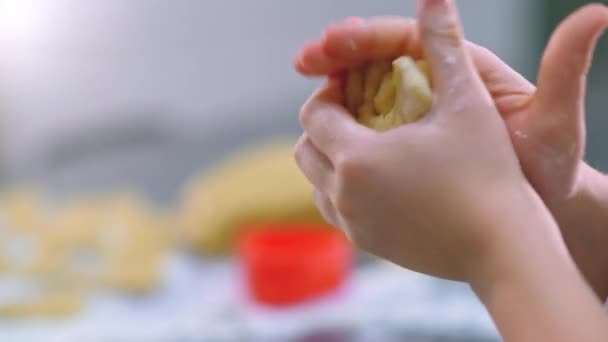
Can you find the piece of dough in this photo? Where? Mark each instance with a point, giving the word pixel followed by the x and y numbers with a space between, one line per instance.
pixel 50 305
pixel 51 296
pixel 114 241
pixel 383 99
pixel 261 184
pixel 111 237
pixel 22 209
pixel 134 245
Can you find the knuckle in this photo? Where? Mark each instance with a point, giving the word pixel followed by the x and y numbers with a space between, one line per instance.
pixel 305 113
pixel 298 152
pixel 351 167
pixel 350 170
pixel 482 50
pixel 343 204
pixel 447 30
pixel 300 159
pixel 486 105
pixel 308 111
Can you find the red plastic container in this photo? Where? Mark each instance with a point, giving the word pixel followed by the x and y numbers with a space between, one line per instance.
pixel 285 265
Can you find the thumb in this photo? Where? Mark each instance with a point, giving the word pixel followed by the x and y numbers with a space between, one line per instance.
pixel 564 67
pixel 443 43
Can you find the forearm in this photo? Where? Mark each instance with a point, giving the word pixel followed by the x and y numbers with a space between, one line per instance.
pixel 536 293
pixel 583 221
pixel 553 305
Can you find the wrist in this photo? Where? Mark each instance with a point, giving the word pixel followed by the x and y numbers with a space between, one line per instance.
pixel 583 221
pixel 531 286
pixel 530 242
pixel 545 300
pixel 589 195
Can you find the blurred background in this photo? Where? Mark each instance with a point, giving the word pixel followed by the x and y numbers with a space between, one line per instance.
pixel 128 133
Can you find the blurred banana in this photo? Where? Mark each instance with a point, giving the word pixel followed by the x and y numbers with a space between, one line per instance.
pixel 261 184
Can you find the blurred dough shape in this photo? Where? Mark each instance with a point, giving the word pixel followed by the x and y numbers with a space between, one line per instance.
pixel 385 95
pixel 54 303
pixel 23 208
pixel 113 240
pixel 134 243
pixel 261 184
pixel 123 240
pixel 24 217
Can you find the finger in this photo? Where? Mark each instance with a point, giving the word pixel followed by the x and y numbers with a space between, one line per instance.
pixel 508 88
pixel 313 164
pixel 371 39
pixel 442 41
pixel 353 90
pixel 329 126
pixel 349 44
pixel 564 67
pixel 312 56
pixel 326 208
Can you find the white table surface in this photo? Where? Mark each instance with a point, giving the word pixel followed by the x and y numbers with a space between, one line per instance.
pixel 204 301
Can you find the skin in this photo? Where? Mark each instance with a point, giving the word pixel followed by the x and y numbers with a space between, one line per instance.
pixel 490 228
pixel 545 122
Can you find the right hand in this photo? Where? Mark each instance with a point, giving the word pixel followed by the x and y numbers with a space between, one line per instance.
pixel 546 123
pixel 429 196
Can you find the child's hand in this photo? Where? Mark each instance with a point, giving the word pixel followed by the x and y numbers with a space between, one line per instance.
pixel 444 195
pixel 546 125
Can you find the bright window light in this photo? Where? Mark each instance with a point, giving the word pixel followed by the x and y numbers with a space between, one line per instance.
pixel 21 19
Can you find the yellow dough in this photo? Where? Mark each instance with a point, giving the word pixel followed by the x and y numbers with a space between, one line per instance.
pixel 50 296
pixel 134 245
pixel 49 305
pixel 123 240
pixel 114 241
pixel 386 95
pixel 23 209
pixel 257 185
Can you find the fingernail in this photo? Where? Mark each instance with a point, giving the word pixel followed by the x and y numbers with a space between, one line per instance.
pixel 349 22
pixel 296 59
pixel 351 44
pixel 436 2
pixel 432 3
pixel 299 51
pixel 355 21
pixel 336 76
